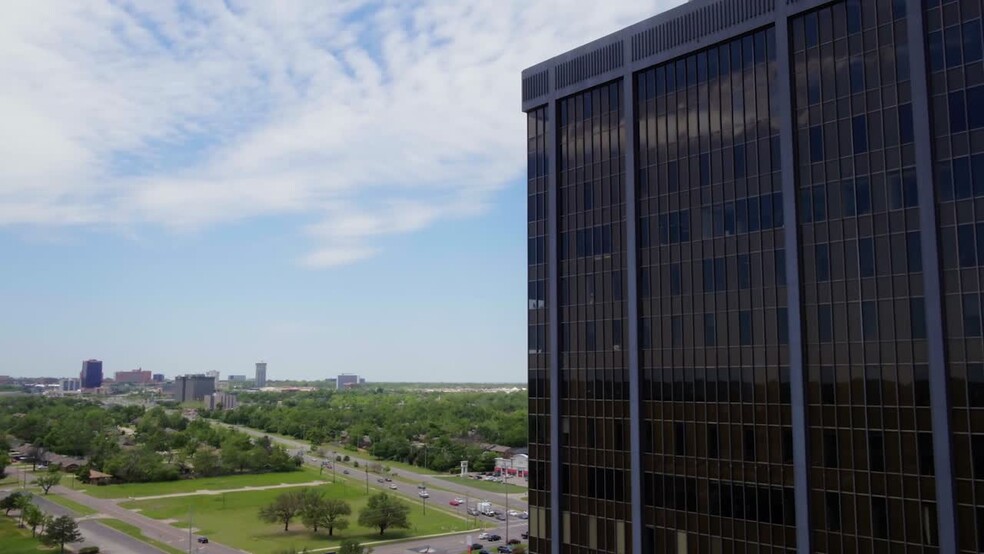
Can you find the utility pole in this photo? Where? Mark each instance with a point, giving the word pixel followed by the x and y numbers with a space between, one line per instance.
pixel 367 478
pixel 191 508
pixel 423 504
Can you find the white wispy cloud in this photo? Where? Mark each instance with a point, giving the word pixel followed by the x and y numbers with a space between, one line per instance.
pixel 373 118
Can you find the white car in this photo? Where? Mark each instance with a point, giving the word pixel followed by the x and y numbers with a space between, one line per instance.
pixel 513 513
pixel 393 486
pixel 483 536
pixel 423 494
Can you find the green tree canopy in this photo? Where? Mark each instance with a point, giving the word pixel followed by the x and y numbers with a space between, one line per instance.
pixel 284 508
pixel 385 512
pixel 61 531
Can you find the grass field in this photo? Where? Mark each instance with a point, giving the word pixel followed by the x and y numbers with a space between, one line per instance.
pixel 210 483
pixel 134 532
pixel 16 541
pixel 79 509
pixel 232 519
pixel 487 485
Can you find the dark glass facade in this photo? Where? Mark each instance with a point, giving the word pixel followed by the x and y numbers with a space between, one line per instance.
pixel 92 374
pixel 754 244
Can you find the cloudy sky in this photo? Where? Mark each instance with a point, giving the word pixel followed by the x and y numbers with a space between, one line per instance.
pixel 329 186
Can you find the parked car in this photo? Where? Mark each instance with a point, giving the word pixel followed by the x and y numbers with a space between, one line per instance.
pixel 345 471
pixel 524 515
pixel 495 538
pixel 500 517
pixel 393 486
pixel 388 480
pixel 477 546
pixel 525 535
pixel 484 535
pixel 504 549
pixel 203 540
pixel 473 511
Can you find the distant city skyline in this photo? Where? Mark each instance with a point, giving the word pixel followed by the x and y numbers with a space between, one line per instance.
pixel 333 187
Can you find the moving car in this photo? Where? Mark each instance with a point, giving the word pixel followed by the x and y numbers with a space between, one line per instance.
pixel 380 480
pixel 345 471
pixel 525 535
pixel 473 511
pixel 393 486
pixel 514 513
pixel 423 494
pixel 202 540
pixel 422 486
pixel 454 502
pixel 495 538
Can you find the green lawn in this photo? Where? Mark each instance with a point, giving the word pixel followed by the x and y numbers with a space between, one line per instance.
pixel 487 485
pixel 135 532
pixel 16 541
pixel 305 475
pixel 79 509
pixel 232 519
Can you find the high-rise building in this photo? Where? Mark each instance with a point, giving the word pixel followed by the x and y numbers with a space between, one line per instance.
pixel 237 378
pixel 136 377
pixel 213 374
pixel 70 384
pixel 190 388
pixel 92 374
pixel 221 401
pixel 754 281
pixel 260 380
pixel 346 381
pixel 158 378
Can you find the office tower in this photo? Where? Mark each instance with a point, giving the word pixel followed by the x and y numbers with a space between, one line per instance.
pixel 158 378
pixel 135 377
pixel 190 388
pixel 347 381
pixel 221 400
pixel 754 256
pixel 237 378
pixel 92 374
pixel 260 380
pixel 70 385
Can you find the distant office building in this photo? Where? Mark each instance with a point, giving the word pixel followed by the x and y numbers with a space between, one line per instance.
pixel 347 381
pixel 158 378
pixel 189 388
pixel 70 384
pixel 134 377
pixel 214 374
pixel 237 378
pixel 221 400
pixel 92 374
pixel 260 374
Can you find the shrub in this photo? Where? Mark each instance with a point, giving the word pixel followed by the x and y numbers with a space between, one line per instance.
pixel 89 550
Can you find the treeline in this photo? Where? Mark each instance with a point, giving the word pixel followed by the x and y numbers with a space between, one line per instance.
pixel 431 429
pixel 134 445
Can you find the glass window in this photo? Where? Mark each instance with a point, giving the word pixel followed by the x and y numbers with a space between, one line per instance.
pixel 913 246
pixel 782 325
pixel 906 133
pixel 710 330
pixel 830 454
pixel 749 443
pixel 975 99
pixel 958 112
pixel 676 330
pixel 863 192
pixel 920 376
pixel 972 42
pixel 866 257
pixel 952 42
pixel 780 258
pixel 971 315
pixel 975 385
pixel 859 127
pixel 744 271
pixel 819 203
pixel 917 314
pixel 847 197
pixel 745 327
pixel 925 447
pixel 869 320
pixel 833 511
pixel 816 143
pixel 822 260
pixel 825 323
pixel 712 441
pixel 876 451
pixel 675 279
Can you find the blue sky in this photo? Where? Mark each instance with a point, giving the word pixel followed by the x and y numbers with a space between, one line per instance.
pixel 328 186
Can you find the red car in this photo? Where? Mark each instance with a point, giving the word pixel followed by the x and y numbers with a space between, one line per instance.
pixel 454 502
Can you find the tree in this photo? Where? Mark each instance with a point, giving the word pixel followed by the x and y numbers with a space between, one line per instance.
pixel 48 480
pixel 4 462
pixel 61 531
pixel 23 501
pixel 10 502
pixel 284 508
pixel 34 517
pixel 351 546
pixel 385 511
pixel 206 462
pixel 326 512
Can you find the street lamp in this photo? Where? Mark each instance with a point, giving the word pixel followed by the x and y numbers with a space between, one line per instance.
pixel 423 503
